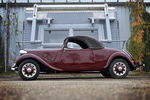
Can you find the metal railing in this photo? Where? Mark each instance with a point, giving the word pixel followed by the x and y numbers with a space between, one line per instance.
pixel 117 41
pixel 21 44
pixel 30 3
pixel 63 1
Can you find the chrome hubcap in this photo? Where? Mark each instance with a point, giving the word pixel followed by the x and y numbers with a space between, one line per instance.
pixel 29 70
pixel 119 68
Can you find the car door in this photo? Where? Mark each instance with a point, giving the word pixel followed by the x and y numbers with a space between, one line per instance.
pixel 101 58
pixel 73 59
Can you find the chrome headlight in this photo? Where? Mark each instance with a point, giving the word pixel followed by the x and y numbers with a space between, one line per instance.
pixel 22 52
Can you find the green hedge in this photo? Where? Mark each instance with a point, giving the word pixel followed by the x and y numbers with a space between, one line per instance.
pixel 146 40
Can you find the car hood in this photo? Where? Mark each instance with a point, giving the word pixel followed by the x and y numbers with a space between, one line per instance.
pixel 124 52
pixel 112 49
pixel 40 50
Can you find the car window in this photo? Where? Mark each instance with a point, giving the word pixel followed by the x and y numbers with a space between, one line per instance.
pixel 73 45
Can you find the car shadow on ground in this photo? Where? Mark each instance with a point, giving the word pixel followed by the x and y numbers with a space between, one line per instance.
pixel 72 78
pixel 55 78
pixel 90 78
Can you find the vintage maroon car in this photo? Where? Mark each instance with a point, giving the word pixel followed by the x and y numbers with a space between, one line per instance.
pixel 78 54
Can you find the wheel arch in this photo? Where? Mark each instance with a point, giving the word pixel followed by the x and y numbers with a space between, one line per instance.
pixel 40 61
pixel 42 66
pixel 124 58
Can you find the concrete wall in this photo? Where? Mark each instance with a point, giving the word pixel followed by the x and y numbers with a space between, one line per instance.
pixel 120 27
pixel 73 20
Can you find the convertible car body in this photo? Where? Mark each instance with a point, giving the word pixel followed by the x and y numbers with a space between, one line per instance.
pixel 79 53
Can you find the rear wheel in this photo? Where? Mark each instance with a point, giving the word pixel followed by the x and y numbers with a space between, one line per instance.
pixel 29 70
pixel 119 68
pixel 106 74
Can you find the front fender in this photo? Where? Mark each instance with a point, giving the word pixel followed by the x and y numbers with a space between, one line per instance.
pixel 117 55
pixel 32 56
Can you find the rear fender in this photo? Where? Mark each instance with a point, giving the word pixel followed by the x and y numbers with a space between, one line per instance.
pixel 32 56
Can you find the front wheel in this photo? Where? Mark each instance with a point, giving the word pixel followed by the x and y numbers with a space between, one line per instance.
pixel 29 70
pixel 119 68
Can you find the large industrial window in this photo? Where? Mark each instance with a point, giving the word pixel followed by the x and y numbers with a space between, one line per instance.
pixel 90 33
pixel 55 35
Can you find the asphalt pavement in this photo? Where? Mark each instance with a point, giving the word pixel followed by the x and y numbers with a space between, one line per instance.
pixel 75 87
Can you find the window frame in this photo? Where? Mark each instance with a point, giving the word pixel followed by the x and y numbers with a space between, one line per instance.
pixel 71 28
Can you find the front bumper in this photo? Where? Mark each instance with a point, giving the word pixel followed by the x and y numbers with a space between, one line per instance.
pixel 14 67
pixel 140 65
pixel 137 65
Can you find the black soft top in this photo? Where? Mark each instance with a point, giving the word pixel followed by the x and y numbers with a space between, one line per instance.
pixel 86 42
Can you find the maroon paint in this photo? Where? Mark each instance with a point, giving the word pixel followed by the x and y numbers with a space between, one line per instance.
pixel 33 56
pixel 66 59
pixel 75 59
